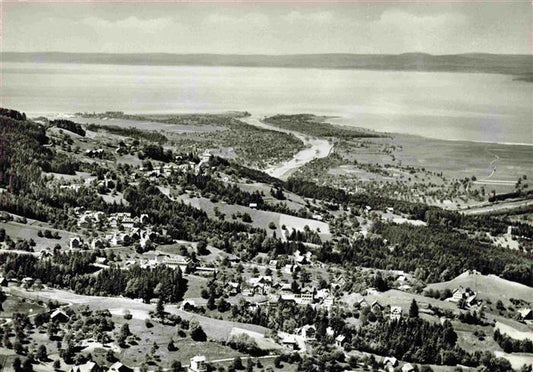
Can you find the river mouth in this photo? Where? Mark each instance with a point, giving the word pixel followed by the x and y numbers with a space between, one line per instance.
pixel 315 148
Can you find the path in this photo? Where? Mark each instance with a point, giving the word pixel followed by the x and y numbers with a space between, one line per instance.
pixel 315 149
pixel 498 207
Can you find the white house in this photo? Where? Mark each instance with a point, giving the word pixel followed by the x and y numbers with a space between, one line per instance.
pixel 75 243
pixel 86 367
pixel 395 313
pixel 289 341
pixel 119 367
pixel 308 332
pixel 339 340
pixel 198 364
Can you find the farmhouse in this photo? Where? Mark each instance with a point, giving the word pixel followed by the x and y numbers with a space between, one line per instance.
pixel 307 296
pixel 361 303
pixel 390 363
pixel 75 243
pixel 27 282
pixel 119 367
pixel 289 341
pixel 233 288
pixel 525 314
pixel 59 316
pixel 302 259
pixel 198 364
pixel 86 367
pixel 339 340
pixel 395 313
pixel 328 302
pixel 97 243
pixel 376 306
pixel 308 332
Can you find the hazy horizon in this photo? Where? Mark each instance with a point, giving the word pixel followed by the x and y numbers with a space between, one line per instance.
pixel 267 54
pixel 278 28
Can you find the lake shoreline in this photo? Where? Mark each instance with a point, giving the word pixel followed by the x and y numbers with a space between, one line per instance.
pixel 55 115
pixel 441 105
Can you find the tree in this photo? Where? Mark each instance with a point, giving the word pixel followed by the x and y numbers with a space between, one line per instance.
pixel 154 348
pixel 197 333
pixel 160 308
pixel 250 365
pixel 3 297
pixel 413 309
pixel 211 301
pixel 110 356
pixel 379 283
pixel 57 364
pixel 17 364
pixel 237 363
pixel 123 335
pixel 277 362
pixel 222 305
pixel 201 248
pixel 18 347
pixel 42 353
pixel 27 366
pixel 171 346
pixel 176 366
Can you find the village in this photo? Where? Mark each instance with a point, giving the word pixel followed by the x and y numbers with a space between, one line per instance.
pixel 169 261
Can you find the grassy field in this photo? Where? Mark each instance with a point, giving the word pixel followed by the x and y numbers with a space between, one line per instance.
pixel 465 159
pixel 16 304
pixel 514 329
pixel 394 297
pixel 260 219
pixel 29 231
pixel 135 353
pixel 517 360
pixel 488 287
pixel 149 125
pixel 161 335
pixel 214 328
pixel 421 169
pixel 469 341
pixel 293 201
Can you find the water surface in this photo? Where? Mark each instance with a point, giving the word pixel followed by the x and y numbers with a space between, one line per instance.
pixel 476 107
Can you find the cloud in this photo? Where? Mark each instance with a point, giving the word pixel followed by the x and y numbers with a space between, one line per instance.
pixel 131 23
pixel 317 17
pixel 249 19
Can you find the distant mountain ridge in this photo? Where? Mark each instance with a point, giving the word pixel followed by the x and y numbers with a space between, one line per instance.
pixel 520 65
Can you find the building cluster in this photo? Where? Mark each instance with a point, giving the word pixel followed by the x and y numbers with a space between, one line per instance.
pixel 121 229
pixel 198 363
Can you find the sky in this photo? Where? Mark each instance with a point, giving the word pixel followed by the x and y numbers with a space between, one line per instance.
pixel 438 27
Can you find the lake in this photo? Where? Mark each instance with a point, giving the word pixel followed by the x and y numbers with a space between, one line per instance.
pixel 475 107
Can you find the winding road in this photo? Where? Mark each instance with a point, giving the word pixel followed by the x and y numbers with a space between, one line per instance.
pixel 315 148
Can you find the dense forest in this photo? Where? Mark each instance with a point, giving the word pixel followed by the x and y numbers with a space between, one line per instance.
pixel 74 271
pixel 314 126
pixel 70 126
pixel 131 132
pixel 433 253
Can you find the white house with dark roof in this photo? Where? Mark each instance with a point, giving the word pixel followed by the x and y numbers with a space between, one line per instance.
pixel 308 332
